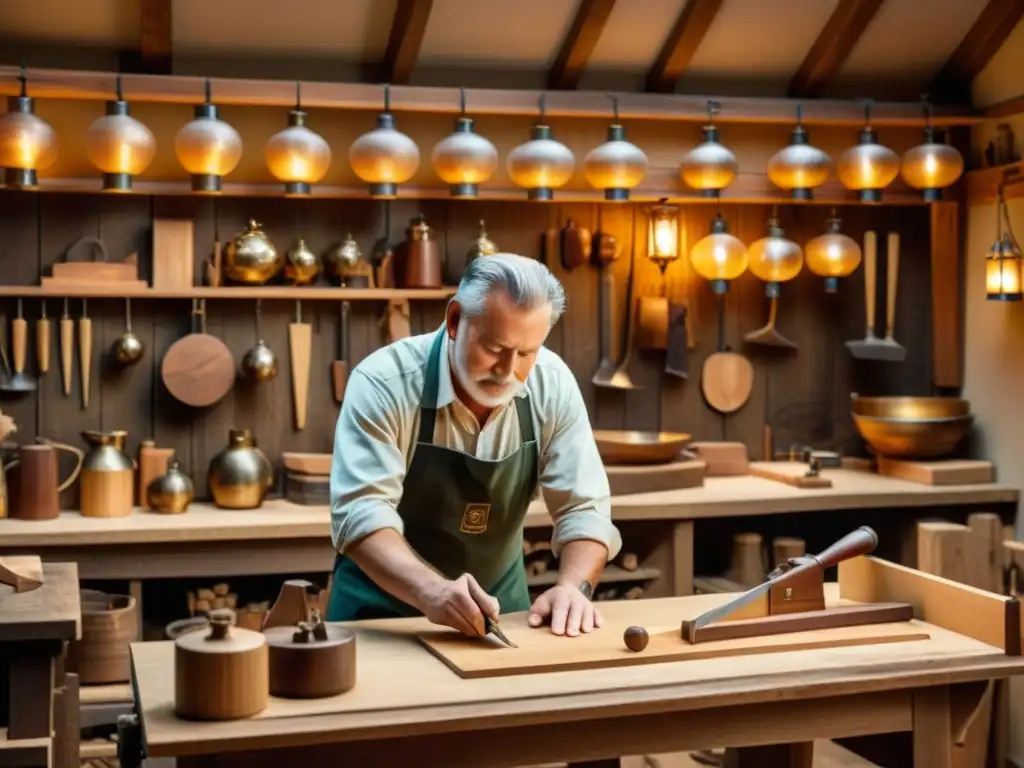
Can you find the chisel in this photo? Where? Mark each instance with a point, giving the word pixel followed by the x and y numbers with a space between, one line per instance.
pixel 43 340
pixel 85 350
pixel 67 345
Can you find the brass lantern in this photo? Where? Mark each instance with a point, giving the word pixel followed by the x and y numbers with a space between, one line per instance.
pixel 799 166
pixel 833 254
pixel 384 157
pixel 464 159
pixel 931 166
pixel 663 234
pixel 775 259
pixel 296 155
pixel 27 143
pixel 709 167
pixel 119 145
pixel 616 166
pixel 1003 263
pixel 719 257
pixel 868 167
pixel 207 147
pixel 542 164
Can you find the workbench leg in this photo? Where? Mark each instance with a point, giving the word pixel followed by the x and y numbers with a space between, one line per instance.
pixel 933 728
pixel 67 724
pixel 30 690
pixel 799 755
pixel 135 590
pixel 682 558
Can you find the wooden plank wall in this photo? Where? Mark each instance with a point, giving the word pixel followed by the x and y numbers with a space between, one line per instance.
pixel 804 394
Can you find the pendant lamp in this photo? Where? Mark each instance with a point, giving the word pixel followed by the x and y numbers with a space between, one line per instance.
pixel 663 234
pixel 119 145
pixel 296 155
pixel 931 166
pixel 1003 279
pixel 775 259
pixel 616 166
pixel 464 159
pixel 832 255
pixel 384 157
pixel 28 143
pixel 709 167
pixel 868 167
pixel 799 167
pixel 719 257
pixel 542 164
pixel 207 147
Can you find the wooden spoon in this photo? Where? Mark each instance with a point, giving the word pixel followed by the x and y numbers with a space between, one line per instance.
pixel 727 377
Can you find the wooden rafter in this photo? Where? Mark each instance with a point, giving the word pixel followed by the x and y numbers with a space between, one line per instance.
pixel 406 37
pixel 995 23
pixel 682 42
pixel 834 44
pixel 155 45
pixel 579 44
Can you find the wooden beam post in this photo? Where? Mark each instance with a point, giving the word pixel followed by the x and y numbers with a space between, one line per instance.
pixel 579 44
pixel 155 44
pixel 995 23
pixel 407 30
pixel 947 340
pixel 682 42
pixel 834 44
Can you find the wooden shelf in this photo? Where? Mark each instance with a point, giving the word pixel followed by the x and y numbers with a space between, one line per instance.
pixel 660 183
pixel 983 186
pixel 182 89
pixel 612 575
pixel 276 292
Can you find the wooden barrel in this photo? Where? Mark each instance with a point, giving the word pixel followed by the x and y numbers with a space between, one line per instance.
pixel 109 624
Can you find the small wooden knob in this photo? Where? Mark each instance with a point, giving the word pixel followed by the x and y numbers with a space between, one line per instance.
pixel 636 638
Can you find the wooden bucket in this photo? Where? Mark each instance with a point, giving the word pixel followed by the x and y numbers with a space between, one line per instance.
pixel 109 624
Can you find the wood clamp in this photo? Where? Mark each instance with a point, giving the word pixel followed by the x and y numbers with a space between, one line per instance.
pixel 792 599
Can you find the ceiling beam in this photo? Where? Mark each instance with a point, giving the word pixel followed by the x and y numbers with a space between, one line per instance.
pixel 995 23
pixel 681 43
pixel 156 53
pixel 407 30
pixel 579 44
pixel 835 42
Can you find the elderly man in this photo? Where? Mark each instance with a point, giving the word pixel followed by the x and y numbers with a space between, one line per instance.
pixel 441 443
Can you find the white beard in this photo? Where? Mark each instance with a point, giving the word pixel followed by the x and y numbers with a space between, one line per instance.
pixel 472 386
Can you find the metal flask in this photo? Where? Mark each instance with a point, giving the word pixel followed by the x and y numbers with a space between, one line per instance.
pixel 240 476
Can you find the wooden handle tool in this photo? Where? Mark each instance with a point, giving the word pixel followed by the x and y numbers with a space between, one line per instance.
pixel 67 344
pixel 870 262
pixel 85 350
pixel 892 257
pixel 19 340
pixel 339 368
pixel 43 340
pixel 300 344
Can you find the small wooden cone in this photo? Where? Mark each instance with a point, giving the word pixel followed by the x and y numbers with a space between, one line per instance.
pixel 300 342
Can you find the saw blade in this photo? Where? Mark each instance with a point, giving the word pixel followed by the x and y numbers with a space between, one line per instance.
pixel 733 605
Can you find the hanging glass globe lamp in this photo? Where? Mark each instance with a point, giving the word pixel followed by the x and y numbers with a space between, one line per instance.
pixel 868 167
pixel 616 166
pixel 799 167
pixel 720 256
pixel 464 159
pixel 542 164
pixel 832 255
pixel 775 259
pixel 384 157
pixel 119 145
pixel 28 143
pixel 933 165
pixel 207 147
pixel 710 166
pixel 296 155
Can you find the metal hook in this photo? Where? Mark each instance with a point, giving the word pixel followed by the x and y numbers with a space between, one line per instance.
pixel 298 95
pixel 120 93
pixel 615 107
pixel 714 107
pixel 23 78
pixel 462 99
pixel 208 90
pixel 387 97
pixel 541 102
pixel 799 113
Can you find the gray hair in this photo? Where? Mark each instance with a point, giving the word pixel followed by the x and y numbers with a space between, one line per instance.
pixel 527 281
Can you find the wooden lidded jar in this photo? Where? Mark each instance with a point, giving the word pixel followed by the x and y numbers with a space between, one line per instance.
pixel 221 673
pixel 312 660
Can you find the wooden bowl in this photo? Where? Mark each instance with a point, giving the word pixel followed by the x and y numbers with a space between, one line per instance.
pixel 917 408
pixel 912 438
pixel 635 447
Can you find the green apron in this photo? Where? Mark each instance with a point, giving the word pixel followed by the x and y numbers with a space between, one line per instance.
pixel 461 514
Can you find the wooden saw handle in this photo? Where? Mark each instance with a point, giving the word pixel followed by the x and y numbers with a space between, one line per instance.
pixel 860 542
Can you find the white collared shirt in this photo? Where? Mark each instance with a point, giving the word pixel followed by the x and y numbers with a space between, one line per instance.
pixel 376 437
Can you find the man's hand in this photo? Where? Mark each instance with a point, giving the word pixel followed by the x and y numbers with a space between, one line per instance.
pixel 569 610
pixel 460 604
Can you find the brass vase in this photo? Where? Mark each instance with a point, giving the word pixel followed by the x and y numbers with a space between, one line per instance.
pixel 240 476
pixel 172 492
pixel 251 258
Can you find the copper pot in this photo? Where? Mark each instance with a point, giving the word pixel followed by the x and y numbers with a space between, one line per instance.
pixel 635 447
pixel 419 257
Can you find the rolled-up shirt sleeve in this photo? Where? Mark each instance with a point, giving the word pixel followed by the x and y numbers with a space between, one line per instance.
pixel 368 468
pixel 572 476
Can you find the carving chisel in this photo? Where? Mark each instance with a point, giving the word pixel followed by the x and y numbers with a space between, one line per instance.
pixel 491 627
pixel 43 340
pixel 67 346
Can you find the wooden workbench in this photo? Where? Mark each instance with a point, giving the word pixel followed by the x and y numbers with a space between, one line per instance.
pixel 408 704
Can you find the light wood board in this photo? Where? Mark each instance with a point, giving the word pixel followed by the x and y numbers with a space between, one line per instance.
pixel 540 651
pixel 51 612
pixel 792 473
pixel 945 472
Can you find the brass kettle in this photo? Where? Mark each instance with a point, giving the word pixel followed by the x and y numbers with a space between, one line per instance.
pixel 301 265
pixel 251 257
pixel 345 266
pixel 171 492
pixel 240 476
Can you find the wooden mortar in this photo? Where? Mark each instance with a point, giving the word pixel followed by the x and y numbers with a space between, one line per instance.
pixel 221 673
pixel 312 660
pixel 109 624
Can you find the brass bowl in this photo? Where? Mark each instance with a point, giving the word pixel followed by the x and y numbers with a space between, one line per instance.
pixel 912 438
pixel 635 447
pixel 910 407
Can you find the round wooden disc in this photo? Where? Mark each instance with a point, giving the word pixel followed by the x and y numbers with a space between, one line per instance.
pixel 198 370
pixel 726 381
